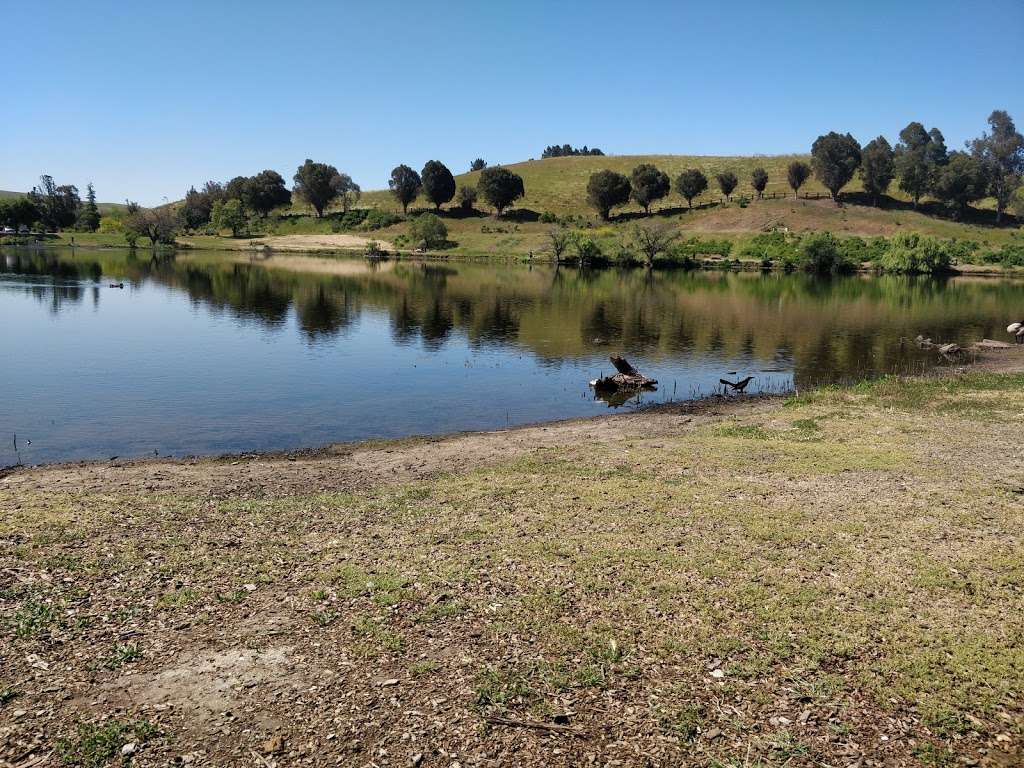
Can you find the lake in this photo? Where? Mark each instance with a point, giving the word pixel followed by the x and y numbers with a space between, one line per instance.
pixel 205 353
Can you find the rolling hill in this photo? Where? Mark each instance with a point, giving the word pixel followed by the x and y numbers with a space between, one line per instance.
pixel 559 184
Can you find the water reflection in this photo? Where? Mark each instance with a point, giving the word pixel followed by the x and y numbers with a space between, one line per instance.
pixel 516 323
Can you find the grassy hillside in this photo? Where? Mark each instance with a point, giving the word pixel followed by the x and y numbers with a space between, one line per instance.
pixel 559 184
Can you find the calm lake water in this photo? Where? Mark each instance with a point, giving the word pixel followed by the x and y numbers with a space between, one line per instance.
pixel 209 353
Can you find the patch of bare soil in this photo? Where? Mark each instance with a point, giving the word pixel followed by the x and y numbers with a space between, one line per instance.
pixel 321 242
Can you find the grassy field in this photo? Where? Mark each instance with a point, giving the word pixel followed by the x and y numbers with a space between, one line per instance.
pixel 834 579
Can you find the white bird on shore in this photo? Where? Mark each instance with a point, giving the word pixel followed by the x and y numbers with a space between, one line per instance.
pixel 1016 330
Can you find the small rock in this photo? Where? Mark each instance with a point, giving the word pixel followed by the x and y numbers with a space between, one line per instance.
pixel 273 745
pixel 128 749
pixel 20 713
pixel 718 673
pixel 389 682
pixel 416 759
pixel 249 587
pixel 713 734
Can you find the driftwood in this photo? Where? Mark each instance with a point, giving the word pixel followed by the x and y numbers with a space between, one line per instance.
pixel 990 344
pixel 627 377
pixel 948 350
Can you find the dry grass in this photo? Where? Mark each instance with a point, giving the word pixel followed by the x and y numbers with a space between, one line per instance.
pixel 830 580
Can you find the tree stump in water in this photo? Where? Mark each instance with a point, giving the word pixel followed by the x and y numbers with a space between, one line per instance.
pixel 627 377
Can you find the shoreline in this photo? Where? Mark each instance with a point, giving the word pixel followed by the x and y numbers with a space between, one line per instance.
pixel 707 264
pixel 842 567
pixel 1005 360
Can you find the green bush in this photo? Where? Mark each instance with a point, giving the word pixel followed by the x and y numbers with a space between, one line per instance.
pixel 428 230
pixel 378 219
pixel 1008 256
pixel 912 253
pixel 547 217
pixel 694 246
pixel 771 248
pixel 821 253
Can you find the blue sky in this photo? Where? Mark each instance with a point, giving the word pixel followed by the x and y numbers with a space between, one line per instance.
pixel 147 98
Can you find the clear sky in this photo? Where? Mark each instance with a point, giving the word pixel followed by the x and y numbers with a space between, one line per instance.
pixel 145 99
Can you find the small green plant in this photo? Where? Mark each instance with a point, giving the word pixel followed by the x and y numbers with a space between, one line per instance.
pixel 234 596
pixel 35 619
pixel 123 653
pixel 95 745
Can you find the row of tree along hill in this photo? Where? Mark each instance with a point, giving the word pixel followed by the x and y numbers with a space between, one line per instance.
pixel 52 207
pixel 991 165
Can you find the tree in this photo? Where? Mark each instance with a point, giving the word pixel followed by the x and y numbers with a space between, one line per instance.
pixel 759 180
pixel 727 182
pixel 918 155
pixel 428 230
pixel 877 167
pixel 1001 153
pixel 314 185
pixel 347 190
pixel 607 189
pixel 960 181
pixel 690 184
pixel 568 150
pixel 236 188
pixel 477 165
pixel 438 183
pixel 89 217
pixel 467 198
pixel 652 240
pixel 560 239
pixel 229 214
pixel 195 210
pixel 649 184
pixel 264 192
pixel 835 158
pixel 57 205
pixel 158 224
pixel 500 187
pixel 405 185
pixel 796 174
pixel 18 212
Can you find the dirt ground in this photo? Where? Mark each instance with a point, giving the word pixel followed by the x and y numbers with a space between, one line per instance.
pixel 829 580
pixel 320 242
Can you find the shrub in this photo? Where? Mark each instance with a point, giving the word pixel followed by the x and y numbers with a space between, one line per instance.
pixel 694 246
pixel 353 217
pixel 378 219
pixel 820 252
pixel 587 250
pixel 429 230
pixel 912 253
pixel 772 247
pixel 547 217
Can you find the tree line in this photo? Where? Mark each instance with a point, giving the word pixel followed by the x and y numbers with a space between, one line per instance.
pixel 568 150
pixel 52 206
pixel 991 165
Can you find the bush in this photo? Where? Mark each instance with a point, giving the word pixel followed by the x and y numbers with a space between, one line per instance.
pixel 694 246
pixel 587 250
pixel 821 253
pixel 1008 256
pixel 378 219
pixel 771 247
pixel 912 253
pixel 547 217
pixel 428 230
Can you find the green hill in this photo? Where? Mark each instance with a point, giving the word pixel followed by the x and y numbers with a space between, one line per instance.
pixel 559 184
